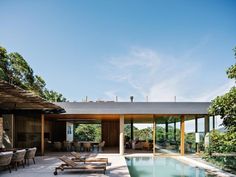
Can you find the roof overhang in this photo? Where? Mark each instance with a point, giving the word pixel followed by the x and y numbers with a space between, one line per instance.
pixel 135 108
pixel 13 98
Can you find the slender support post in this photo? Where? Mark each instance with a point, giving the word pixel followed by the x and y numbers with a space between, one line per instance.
pixel 175 130
pixel 1 130
pixel 166 130
pixel 42 134
pixel 131 129
pixel 122 134
pixel 182 135
pixel 213 123
pixel 207 127
pixel 196 124
pixel 154 136
pixel 196 131
pixel 12 131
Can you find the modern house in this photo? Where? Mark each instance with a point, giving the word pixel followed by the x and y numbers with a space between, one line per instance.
pixel 27 120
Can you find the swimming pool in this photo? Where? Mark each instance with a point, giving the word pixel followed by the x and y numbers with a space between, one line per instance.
pixel 162 167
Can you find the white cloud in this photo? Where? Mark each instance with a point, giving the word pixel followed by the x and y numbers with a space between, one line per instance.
pixel 210 94
pixel 145 72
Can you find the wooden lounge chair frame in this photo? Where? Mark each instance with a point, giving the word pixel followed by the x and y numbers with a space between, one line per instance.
pixel 71 165
pixel 78 158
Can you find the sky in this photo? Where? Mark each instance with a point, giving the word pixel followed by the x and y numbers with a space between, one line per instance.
pixel 103 49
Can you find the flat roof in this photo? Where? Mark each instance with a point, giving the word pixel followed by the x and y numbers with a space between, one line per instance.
pixel 13 97
pixel 135 107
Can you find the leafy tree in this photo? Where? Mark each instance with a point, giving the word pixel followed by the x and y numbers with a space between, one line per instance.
pixel 15 70
pixel 4 64
pixel 39 87
pixel 225 105
pixel 22 73
pixel 127 130
pixel 53 96
pixel 144 134
pixel 88 132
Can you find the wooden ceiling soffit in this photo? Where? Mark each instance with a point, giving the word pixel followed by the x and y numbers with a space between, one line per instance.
pixel 13 97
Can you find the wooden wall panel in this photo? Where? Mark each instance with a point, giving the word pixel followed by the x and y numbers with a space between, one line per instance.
pixel 59 131
pixel 110 132
pixel 28 131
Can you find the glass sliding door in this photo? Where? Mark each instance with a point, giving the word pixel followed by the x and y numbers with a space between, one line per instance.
pixel 167 140
pixel 190 135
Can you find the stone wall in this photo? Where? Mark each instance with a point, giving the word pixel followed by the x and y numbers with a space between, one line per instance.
pixel 8 130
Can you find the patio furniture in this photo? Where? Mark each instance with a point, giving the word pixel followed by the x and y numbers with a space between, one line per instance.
pixel 18 157
pixel 147 145
pixel 57 146
pixel 77 146
pixel 87 146
pixel 67 145
pixel 5 160
pixel 71 165
pixel 101 146
pixel 30 154
pixel 79 158
pixel 137 145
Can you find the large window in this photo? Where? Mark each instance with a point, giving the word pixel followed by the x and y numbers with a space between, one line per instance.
pixel 167 135
pixel 190 140
pixel 87 132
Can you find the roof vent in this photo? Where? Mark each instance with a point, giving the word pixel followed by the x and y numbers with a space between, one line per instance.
pixel 132 99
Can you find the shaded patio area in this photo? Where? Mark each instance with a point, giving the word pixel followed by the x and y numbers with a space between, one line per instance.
pixel 45 166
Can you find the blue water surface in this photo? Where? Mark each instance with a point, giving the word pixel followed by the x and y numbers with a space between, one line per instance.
pixel 162 167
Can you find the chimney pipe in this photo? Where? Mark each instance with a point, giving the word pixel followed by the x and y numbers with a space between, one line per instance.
pixel 132 99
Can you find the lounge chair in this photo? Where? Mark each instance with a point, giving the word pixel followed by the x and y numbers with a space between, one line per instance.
pixel 30 154
pixel 18 157
pixel 79 158
pixel 5 160
pixel 71 165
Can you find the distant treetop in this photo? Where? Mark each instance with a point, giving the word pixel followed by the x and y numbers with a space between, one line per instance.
pixel 15 70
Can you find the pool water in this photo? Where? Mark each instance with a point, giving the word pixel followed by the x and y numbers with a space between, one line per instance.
pixel 162 167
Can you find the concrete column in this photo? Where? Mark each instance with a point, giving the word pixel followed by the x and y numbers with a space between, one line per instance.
pixel 196 131
pixel 182 127
pixel 122 134
pixel 42 134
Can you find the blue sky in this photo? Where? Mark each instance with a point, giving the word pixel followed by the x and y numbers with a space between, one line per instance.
pixel 101 49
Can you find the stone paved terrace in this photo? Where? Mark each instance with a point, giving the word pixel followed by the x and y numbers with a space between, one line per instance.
pixel 45 166
pixel 117 167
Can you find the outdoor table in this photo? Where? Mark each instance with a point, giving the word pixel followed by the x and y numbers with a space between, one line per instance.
pixel 93 143
pixel 9 149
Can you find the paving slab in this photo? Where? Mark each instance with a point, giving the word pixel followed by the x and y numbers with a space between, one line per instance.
pixel 45 166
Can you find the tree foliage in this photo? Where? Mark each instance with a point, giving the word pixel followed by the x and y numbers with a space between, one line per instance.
pixel 88 132
pixel 15 70
pixel 225 105
pixel 222 142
